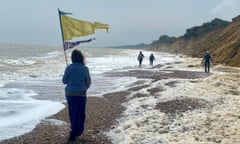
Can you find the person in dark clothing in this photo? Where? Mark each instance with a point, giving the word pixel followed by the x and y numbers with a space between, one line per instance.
pixel 207 59
pixel 77 80
pixel 151 59
pixel 140 58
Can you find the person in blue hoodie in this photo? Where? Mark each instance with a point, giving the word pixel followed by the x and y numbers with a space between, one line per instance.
pixel 77 79
pixel 151 59
pixel 207 59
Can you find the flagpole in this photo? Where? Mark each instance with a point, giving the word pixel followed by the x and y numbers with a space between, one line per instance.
pixel 62 36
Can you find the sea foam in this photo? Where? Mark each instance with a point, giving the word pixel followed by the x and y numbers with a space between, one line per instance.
pixel 20 112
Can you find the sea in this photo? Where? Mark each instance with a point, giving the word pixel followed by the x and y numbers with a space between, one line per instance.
pixel 31 86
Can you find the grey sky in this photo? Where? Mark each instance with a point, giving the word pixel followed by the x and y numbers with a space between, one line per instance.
pixel 131 21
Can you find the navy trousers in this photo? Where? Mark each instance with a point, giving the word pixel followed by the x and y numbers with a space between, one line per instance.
pixel 140 62
pixel 207 67
pixel 76 107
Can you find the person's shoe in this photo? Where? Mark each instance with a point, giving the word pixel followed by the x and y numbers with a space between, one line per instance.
pixel 72 138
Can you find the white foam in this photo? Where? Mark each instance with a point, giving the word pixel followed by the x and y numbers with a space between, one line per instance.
pixel 55 122
pixel 20 113
pixel 101 85
pixel 142 123
pixel 19 61
pixel 53 54
pixel 2 83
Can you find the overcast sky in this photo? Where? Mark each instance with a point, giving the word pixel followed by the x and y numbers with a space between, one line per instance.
pixel 130 21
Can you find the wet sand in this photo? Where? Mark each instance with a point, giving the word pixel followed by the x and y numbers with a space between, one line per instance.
pixel 102 113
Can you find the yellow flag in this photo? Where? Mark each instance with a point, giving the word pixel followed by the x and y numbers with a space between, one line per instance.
pixel 75 28
pixel 99 25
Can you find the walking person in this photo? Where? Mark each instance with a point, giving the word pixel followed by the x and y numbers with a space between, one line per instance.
pixel 151 59
pixel 207 59
pixel 77 80
pixel 140 58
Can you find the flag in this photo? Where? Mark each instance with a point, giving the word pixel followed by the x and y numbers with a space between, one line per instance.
pixel 99 25
pixel 72 27
pixel 64 13
pixel 68 45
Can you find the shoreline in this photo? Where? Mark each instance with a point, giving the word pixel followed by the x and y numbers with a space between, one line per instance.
pixel 101 115
pixel 103 112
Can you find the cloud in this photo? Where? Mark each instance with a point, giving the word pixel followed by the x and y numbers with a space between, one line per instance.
pixel 224 6
pixel 226 9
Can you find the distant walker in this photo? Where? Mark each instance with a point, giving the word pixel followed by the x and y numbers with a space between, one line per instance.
pixel 140 58
pixel 151 59
pixel 207 59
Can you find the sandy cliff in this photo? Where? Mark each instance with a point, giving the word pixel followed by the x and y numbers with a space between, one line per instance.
pixel 219 37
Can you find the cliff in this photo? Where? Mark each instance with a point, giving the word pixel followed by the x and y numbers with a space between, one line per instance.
pixel 219 37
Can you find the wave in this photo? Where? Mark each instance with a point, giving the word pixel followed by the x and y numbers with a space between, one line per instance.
pixel 15 104
pixel 53 54
pixel 19 61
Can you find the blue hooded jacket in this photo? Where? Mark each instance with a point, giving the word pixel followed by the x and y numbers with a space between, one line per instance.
pixel 77 78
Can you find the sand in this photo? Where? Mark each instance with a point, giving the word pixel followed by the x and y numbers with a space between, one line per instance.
pixel 103 112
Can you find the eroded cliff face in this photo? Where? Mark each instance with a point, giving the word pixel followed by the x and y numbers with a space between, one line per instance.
pixel 223 42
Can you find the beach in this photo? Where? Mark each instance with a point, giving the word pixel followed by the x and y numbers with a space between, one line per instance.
pixel 175 103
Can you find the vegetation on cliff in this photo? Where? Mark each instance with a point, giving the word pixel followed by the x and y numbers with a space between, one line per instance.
pixel 141 45
pixel 205 28
pixel 165 39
